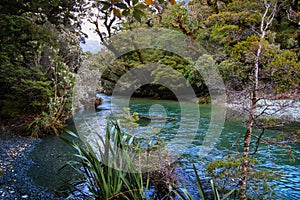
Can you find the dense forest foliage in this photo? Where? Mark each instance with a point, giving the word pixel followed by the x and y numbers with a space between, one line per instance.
pixel 230 31
pixel 39 53
pixel 40 49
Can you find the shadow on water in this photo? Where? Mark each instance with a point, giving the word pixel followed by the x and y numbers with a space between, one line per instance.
pixel 49 157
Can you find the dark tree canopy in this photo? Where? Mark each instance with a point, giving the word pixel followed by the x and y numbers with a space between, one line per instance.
pixel 39 45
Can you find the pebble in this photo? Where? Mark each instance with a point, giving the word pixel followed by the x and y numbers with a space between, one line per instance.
pixel 14 165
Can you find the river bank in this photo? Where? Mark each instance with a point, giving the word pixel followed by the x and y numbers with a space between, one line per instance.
pixel 16 155
pixel 14 165
pixel 284 109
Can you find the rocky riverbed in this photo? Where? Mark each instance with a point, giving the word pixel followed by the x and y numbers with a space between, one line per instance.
pixel 14 165
pixel 285 109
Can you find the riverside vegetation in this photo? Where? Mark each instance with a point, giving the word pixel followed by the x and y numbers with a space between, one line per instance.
pixel 255 46
pixel 115 169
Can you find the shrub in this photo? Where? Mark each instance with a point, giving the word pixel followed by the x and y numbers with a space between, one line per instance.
pixel 184 194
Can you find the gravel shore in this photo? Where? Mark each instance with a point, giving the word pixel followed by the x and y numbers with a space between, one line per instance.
pixel 280 109
pixel 14 165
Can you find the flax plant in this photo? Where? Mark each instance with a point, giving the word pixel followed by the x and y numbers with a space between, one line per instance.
pixel 107 166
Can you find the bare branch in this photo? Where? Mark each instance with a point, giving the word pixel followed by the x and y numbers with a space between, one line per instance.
pixel 291 14
pixel 262 112
pixel 271 17
pixel 258 142
pixel 262 25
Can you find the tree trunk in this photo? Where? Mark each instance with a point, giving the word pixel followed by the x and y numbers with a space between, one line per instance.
pixel 247 138
pixel 254 90
pixel 247 141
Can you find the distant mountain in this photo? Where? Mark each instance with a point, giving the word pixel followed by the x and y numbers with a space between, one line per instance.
pixel 91 45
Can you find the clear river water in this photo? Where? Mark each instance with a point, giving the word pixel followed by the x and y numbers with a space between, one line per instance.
pixel 168 120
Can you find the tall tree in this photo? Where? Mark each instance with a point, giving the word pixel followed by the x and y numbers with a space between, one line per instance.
pixel 39 51
pixel 266 20
pixel 247 39
pixel 110 17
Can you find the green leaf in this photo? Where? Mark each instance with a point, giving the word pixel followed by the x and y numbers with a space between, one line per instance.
pixel 105 3
pixel 137 14
pixel 71 133
pixel 121 5
pixel 135 1
pixel 228 195
pixel 55 3
pixel 215 191
pixel 200 188
pixel 126 12
pixel 106 7
pixel 183 194
pixel 140 6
